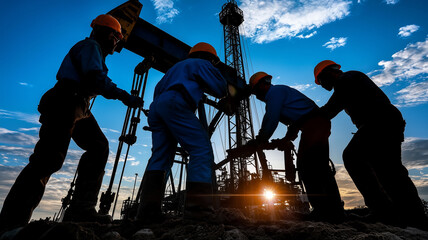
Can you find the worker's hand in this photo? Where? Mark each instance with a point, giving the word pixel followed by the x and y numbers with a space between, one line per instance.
pixel 291 133
pixel 226 105
pixel 132 101
pixel 252 143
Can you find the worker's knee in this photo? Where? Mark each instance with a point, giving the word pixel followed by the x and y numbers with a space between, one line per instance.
pixel 48 163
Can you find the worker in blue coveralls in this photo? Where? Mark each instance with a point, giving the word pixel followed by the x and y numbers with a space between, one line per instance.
pixel 65 115
pixel 292 108
pixel 172 120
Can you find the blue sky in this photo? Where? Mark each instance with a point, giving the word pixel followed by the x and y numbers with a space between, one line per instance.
pixel 386 39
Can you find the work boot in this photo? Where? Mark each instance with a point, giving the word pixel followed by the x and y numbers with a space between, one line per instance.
pixel 199 202
pixel 152 193
pixel 87 213
pixel 83 202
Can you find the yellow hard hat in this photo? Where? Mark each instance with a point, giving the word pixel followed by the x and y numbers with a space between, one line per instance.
pixel 321 66
pixel 108 20
pixel 203 47
pixel 256 78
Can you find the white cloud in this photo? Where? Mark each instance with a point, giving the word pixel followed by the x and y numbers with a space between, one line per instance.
pixel 410 62
pixel 407 30
pixel 412 95
pixel 391 1
pixel 29 129
pixel 308 35
pixel 106 130
pixel 31 118
pixel 165 10
pixel 270 20
pixel 13 137
pixel 335 43
pixel 301 87
pixel 135 163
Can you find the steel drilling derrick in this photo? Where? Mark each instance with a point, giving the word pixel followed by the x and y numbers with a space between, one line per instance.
pixel 240 124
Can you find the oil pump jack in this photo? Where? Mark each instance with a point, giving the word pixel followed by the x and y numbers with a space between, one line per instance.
pixel 160 52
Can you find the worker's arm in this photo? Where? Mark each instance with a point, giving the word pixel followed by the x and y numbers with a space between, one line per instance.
pixel 333 106
pixel 211 80
pixel 90 60
pixel 272 116
pixel 91 66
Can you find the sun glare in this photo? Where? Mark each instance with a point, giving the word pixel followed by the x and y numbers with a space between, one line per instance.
pixel 268 194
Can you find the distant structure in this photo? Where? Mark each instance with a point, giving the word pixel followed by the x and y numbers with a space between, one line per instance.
pixel 240 124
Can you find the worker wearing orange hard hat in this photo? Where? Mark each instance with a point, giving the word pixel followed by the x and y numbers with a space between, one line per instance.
pixel 373 156
pixel 172 120
pixel 292 108
pixel 65 115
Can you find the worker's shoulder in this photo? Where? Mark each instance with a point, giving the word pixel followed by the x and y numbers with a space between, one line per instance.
pixel 87 43
pixel 195 61
pixel 352 74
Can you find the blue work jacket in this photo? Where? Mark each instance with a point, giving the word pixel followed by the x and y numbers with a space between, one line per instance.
pixel 283 104
pixel 85 65
pixel 196 76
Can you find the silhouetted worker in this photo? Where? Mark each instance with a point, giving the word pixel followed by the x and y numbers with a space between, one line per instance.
pixel 172 120
pixel 292 108
pixel 373 156
pixel 65 115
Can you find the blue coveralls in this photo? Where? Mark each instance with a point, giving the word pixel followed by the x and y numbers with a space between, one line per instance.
pixel 64 116
pixel 283 104
pixel 172 117
pixel 291 107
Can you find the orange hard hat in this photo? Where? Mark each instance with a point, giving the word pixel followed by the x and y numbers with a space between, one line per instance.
pixel 257 77
pixel 321 66
pixel 108 20
pixel 203 47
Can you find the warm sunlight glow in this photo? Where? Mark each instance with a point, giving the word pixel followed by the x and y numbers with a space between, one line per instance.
pixel 268 194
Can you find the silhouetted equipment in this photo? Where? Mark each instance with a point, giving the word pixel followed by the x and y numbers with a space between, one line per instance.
pixel 128 135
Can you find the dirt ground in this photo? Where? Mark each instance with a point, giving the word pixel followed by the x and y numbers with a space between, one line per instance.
pixel 235 226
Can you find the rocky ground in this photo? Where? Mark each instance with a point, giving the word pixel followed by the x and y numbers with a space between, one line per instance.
pixel 234 227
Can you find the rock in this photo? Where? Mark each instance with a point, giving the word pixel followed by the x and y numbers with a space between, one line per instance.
pixel 112 236
pixel 234 234
pixel 143 234
pixel 69 231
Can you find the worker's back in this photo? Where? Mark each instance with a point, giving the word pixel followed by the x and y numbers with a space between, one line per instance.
pixel 196 76
pixel 363 100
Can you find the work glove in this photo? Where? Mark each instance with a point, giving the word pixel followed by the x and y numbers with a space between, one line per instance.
pixel 130 100
pixel 292 133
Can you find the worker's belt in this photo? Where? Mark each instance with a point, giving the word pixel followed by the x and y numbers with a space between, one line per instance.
pixel 180 89
pixel 68 86
pixel 302 120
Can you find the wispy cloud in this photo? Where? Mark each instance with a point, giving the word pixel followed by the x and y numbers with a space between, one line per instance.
pixel 335 43
pixel 25 84
pixel 301 87
pixel 106 130
pixel 391 1
pixel 165 10
pixel 407 30
pixel 13 137
pixel 308 35
pixel 31 118
pixel 408 63
pixel 270 20
pixel 415 94
pixel 29 129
